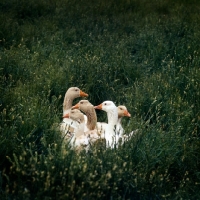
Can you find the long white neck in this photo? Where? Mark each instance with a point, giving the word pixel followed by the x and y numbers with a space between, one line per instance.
pixel 112 122
pixel 112 117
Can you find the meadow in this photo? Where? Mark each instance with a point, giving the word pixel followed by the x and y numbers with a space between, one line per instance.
pixel 140 53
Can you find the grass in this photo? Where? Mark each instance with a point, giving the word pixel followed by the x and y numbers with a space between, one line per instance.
pixel 142 54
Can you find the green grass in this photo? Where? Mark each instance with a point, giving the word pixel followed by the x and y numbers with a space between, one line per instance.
pixel 142 54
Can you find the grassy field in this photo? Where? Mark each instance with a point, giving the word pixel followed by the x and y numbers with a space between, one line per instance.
pixel 141 53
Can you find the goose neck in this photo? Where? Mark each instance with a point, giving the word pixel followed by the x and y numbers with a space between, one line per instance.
pixel 119 120
pixel 112 117
pixel 67 105
pixel 92 119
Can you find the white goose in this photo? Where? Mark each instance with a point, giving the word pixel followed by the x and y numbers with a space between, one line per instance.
pixel 90 128
pixel 68 125
pixel 122 112
pixel 109 132
pixel 78 140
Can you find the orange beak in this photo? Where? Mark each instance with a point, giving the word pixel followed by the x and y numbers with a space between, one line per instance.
pixel 77 106
pixel 98 107
pixel 127 114
pixel 66 116
pixel 83 94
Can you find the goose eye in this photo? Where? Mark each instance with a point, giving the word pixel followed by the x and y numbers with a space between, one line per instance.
pixel 105 104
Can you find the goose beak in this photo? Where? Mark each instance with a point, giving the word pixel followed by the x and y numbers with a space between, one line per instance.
pixel 77 106
pixel 83 94
pixel 126 113
pixel 66 116
pixel 98 107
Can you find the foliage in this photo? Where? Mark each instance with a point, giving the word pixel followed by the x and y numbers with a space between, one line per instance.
pixel 142 54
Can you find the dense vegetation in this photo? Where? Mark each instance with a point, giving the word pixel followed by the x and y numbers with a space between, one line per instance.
pixel 140 53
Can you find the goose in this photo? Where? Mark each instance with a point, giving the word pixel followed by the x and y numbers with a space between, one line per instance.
pixel 90 128
pixel 109 129
pixel 68 125
pixel 122 112
pixel 78 139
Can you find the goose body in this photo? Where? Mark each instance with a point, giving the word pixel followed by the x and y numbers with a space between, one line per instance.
pixel 79 138
pixel 68 125
pixel 90 128
pixel 109 129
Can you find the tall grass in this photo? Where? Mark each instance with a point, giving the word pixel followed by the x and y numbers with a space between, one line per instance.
pixel 142 54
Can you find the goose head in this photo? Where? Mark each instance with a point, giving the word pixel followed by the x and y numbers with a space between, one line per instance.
pixel 122 111
pixel 75 92
pixel 75 115
pixel 86 107
pixel 83 105
pixel 112 114
pixel 106 106
pixel 70 95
